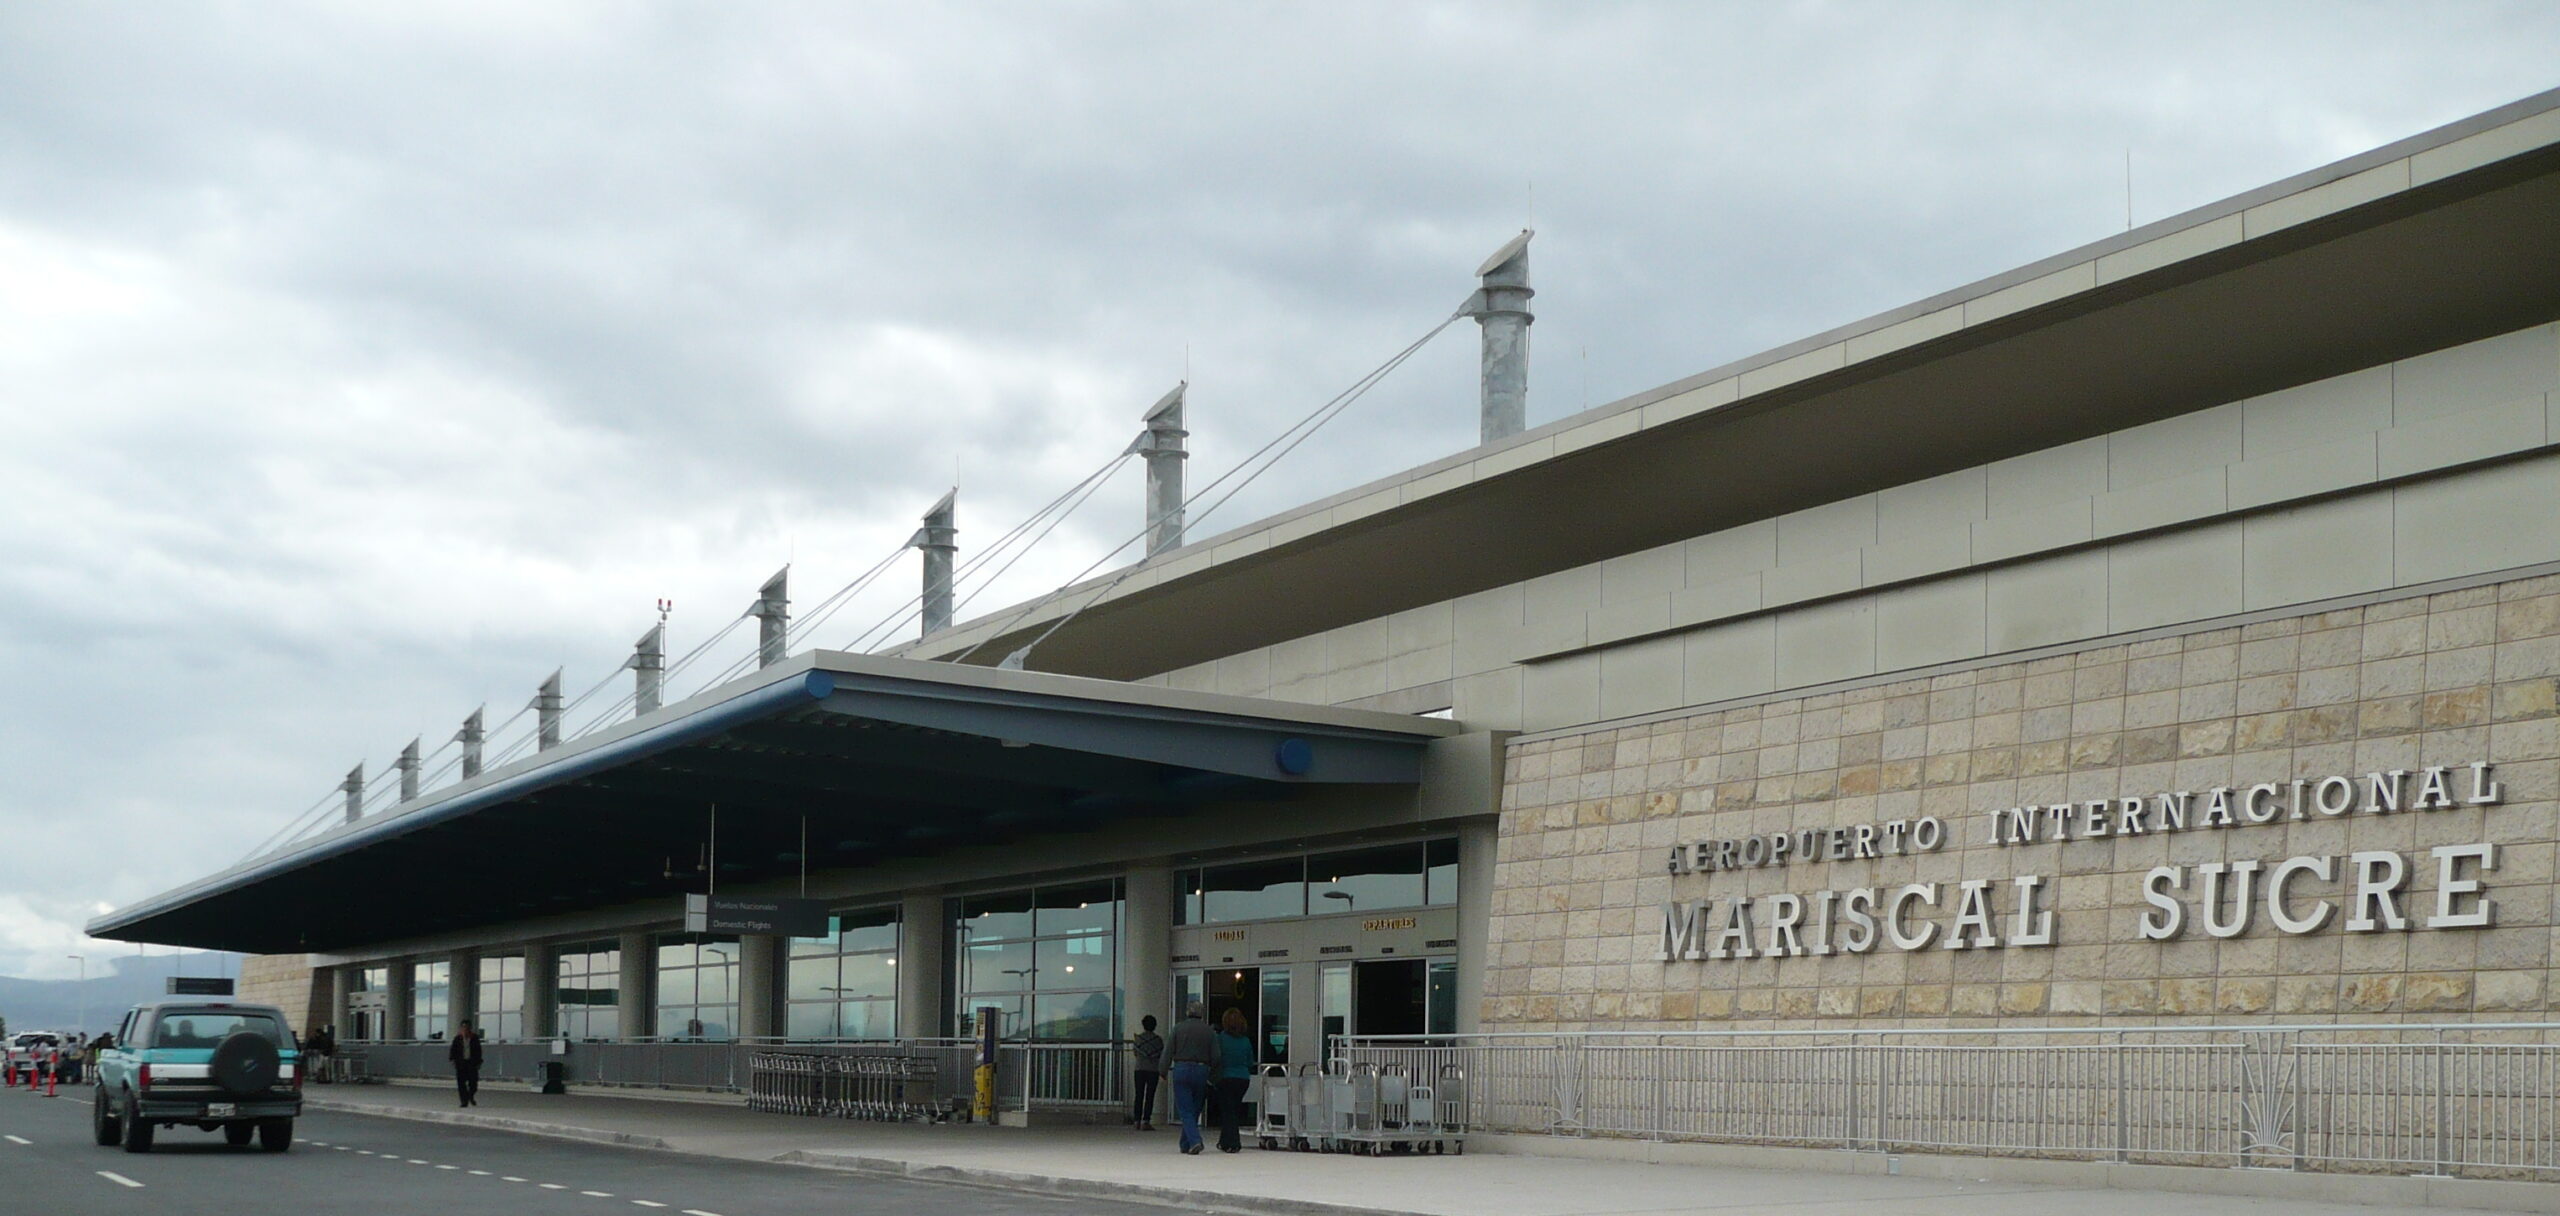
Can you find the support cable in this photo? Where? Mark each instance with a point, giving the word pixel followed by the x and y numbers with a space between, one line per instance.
pixel 1055 513
pixel 1279 446
pixel 912 606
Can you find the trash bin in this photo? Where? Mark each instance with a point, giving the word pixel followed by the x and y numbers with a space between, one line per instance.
pixel 554 1075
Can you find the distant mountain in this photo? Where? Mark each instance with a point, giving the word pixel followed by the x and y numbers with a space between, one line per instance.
pixel 56 1004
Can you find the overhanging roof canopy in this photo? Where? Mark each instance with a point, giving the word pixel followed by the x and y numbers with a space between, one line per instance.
pixel 882 757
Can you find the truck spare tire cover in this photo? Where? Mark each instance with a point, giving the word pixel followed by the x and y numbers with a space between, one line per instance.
pixel 245 1064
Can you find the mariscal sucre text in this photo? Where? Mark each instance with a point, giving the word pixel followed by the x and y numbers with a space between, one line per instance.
pixel 2219 899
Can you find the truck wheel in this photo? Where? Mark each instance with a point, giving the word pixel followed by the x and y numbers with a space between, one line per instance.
pixel 102 1126
pixel 237 1134
pixel 137 1131
pixel 275 1135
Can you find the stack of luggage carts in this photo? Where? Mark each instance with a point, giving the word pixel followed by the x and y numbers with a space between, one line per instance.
pixel 1362 1108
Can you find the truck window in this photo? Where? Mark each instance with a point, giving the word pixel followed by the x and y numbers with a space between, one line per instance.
pixel 209 1027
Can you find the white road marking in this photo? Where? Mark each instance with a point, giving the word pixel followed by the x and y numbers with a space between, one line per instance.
pixel 510 1178
pixel 19 1140
pixel 648 1203
pixel 699 1212
pixel 597 1194
pixel 479 1173
pixel 119 1179
pixel 448 1167
pixel 338 1148
pixel 366 1151
pixel 552 1186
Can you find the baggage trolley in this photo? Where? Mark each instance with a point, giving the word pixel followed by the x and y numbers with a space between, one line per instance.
pixel 1272 1127
pixel 1307 1112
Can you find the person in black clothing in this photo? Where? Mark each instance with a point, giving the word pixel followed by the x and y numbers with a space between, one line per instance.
pixel 1147 1047
pixel 464 1051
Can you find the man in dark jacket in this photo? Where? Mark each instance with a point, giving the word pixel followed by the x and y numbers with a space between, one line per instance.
pixel 464 1051
pixel 1191 1053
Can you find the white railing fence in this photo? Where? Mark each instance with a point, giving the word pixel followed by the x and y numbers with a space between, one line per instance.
pixel 2480 1100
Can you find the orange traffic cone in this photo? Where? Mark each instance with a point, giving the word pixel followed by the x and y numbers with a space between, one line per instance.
pixel 52 1080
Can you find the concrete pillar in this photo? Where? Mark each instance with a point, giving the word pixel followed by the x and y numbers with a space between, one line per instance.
pixel 1162 445
pixel 342 995
pixel 474 740
pixel 1146 973
pixel 541 991
pixel 759 985
pixel 1478 841
pixel 772 611
pixel 939 539
pixel 631 998
pixel 408 765
pixel 397 989
pixel 353 788
pixel 649 671
pixel 547 708
pixel 923 964
pixel 463 1004
pixel 1501 306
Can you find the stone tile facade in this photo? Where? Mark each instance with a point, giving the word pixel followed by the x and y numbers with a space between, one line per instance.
pixel 1589 821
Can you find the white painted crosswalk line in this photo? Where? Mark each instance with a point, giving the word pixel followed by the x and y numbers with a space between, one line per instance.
pixel 119 1179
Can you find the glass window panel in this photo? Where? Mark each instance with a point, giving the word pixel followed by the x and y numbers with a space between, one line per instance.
pixel 676 987
pixel 998 967
pixel 1080 908
pixel 1072 1015
pixel 811 977
pixel 1186 897
pixel 811 1020
pixel 715 985
pixel 1074 962
pixel 1254 891
pixel 1443 855
pixel 1440 1014
pixel 868 975
pixel 873 930
pixel 675 954
pixel 988 917
pixel 1272 1045
pixel 870 1020
pixel 1355 880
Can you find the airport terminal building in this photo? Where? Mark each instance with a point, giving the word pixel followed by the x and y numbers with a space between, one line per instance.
pixel 2164 632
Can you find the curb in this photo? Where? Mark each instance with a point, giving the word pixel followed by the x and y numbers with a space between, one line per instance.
pixel 495 1123
pixel 1082 1188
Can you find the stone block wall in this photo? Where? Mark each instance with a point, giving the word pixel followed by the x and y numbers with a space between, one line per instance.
pixel 1590 820
pixel 288 981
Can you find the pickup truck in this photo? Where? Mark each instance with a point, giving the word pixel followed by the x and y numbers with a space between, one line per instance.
pixel 206 1063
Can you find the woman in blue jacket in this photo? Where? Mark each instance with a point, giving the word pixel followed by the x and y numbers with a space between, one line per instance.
pixel 1234 1074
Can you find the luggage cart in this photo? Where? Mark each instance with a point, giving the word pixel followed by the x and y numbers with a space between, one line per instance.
pixel 1272 1117
pixel 1309 1116
pixel 1436 1113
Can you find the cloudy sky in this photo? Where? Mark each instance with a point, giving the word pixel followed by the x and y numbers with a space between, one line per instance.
pixel 362 363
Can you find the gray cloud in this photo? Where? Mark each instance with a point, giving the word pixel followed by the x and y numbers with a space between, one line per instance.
pixel 360 364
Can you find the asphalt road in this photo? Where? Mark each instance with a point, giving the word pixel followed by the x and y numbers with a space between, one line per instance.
pixel 344 1163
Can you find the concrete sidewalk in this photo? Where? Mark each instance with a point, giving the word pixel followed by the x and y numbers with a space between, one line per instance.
pixel 1598 1178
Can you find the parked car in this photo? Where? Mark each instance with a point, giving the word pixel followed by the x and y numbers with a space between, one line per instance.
pixel 24 1050
pixel 216 1065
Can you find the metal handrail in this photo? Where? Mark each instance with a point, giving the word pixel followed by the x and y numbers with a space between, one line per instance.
pixel 2478 1099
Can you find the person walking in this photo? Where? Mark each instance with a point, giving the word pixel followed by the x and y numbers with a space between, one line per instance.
pixel 1147 1049
pixel 1234 1076
pixel 464 1052
pixel 1192 1051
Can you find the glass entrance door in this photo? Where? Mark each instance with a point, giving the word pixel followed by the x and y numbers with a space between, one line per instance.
pixel 1389 996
